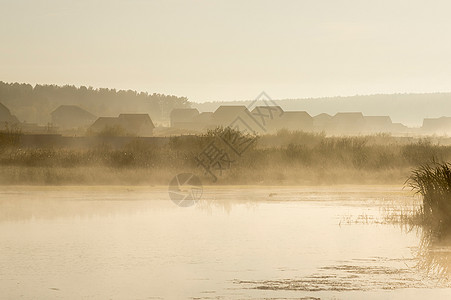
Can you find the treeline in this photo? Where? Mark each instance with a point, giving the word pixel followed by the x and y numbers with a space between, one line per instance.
pixel 34 104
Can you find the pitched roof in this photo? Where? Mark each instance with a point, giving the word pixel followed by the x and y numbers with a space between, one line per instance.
pixel 229 109
pixel 103 122
pixel 349 114
pixel 437 122
pixel 4 110
pixel 322 117
pixel 229 112
pixel 296 115
pixel 6 116
pixel 348 117
pixel 134 122
pixel 72 110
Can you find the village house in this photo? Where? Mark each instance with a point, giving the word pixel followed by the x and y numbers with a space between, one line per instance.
pixel 124 125
pixel 294 120
pixel 347 123
pixel 7 120
pixel 440 125
pixel 321 122
pixel 237 117
pixel 376 124
pixel 270 119
pixel 71 116
pixel 203 121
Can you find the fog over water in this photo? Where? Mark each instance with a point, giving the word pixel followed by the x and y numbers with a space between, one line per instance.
pixel 248 243
pixel 225 149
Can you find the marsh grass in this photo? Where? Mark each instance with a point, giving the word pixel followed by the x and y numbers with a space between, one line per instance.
pixel 433 182
pixel 10 136
pixel 284 158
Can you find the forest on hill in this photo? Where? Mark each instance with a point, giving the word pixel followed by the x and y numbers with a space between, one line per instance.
pixel 34 104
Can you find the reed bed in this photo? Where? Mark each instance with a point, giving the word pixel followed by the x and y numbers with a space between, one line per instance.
pixel 433 182
pixel 285 158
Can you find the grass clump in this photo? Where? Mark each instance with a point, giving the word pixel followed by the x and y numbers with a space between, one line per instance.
pixel 433 182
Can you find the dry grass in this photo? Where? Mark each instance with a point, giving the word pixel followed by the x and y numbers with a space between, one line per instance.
pixel 284 158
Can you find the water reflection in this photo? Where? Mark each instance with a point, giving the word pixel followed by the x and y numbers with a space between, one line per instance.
pixel 236 243
pixel 434 254
pixel 44 203
pixel 58 203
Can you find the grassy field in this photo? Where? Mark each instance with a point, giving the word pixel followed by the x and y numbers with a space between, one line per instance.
pixel 285 158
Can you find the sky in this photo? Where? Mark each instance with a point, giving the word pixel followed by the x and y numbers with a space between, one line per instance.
pixel 232 49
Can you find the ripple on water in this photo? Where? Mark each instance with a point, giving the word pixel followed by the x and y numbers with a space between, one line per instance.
pixel 356 275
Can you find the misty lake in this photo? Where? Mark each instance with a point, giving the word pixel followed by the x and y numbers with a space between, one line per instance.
pixel 238 243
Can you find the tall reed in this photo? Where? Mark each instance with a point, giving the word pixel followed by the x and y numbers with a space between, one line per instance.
pixel 433 182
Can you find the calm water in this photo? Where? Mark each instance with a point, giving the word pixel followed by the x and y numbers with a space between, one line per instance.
pixel 248 243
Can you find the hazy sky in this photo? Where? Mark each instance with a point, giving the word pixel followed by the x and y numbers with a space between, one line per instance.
pixel 230 50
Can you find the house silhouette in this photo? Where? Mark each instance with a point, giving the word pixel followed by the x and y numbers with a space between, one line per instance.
pixel 71 116
pixel 6 118
pixel 124 125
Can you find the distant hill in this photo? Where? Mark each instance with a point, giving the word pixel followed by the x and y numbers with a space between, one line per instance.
pixel 409 109
pixel 34 104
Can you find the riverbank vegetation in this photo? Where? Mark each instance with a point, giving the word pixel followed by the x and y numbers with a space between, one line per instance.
pixel 285 158
pixel 433 183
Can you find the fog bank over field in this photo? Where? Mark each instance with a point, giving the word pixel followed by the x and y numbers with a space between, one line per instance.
pixel 23 100
pixel 408 109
